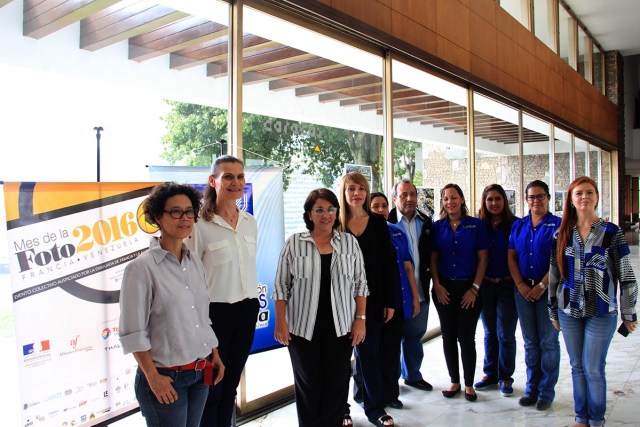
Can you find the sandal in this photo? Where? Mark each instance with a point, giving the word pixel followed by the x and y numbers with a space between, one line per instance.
pixel 347 421
pixel 383 420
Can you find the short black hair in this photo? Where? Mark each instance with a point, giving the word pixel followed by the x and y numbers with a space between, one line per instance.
pixel 379 194
pixel 314 195
pixel 153 206
pixel 537 183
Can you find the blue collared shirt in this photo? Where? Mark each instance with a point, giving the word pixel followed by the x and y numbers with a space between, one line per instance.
pixel 458 251
pixel 413 229
pixel 497 266
pixel 403 253
pixel 533 244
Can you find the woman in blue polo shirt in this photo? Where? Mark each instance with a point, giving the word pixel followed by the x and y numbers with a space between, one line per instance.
pixel 529 254
pixel 458 263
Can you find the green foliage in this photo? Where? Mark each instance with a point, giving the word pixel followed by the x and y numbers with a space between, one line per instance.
pixel 321 151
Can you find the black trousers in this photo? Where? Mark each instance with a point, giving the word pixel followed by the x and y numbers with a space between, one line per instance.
pixel 368 371
pixel 321 371
pixel 235 326
pixel 458 326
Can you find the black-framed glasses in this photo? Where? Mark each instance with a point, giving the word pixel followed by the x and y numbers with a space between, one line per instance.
pixel 538 197
pixel 321 211
pixel 178 213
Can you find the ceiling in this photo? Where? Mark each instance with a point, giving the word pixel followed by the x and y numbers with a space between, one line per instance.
pixel 615 24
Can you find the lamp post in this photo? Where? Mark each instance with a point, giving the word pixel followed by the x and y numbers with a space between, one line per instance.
pixel 98 129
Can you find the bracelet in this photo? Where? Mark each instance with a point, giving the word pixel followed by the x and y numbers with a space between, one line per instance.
pixel 476 286
pixel 361 316
pixel 520 284
pixel 542 285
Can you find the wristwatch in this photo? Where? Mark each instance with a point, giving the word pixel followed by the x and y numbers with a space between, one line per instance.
pixel 361 316
pixel 542 285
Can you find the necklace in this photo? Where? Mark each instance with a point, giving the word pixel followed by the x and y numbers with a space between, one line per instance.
pixel 318 240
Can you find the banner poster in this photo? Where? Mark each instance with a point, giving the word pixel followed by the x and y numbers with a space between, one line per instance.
pixel 68 246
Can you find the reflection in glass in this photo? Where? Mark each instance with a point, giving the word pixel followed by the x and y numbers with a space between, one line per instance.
pixel 535 150
pixel 497 148
pixel 598 68
pixel 581 151
pixel 564 26
pixel 605 185
pixel 544 23
pixel 430 129
pixel 562 167
pixel 584 61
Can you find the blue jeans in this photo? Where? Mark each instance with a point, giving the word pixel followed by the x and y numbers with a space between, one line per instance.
pixel 412 351
pixel 184 412
pixel 499 317
pixel 541 347
pixel 587 342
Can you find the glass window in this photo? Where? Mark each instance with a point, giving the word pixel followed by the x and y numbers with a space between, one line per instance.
pixel 430 132
pixel 564 27
pixel 581 151
pixel 497 148
pixel 535 151
pixel 598 68
pixel 562 167
pixel 544 22
pixel 518 9
pixel 605 184
pixel 584 57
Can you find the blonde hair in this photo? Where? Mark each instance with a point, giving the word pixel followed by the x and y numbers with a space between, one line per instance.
pixel 358 179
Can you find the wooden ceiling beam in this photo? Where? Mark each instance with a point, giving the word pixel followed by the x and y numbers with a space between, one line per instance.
pixel 213 51
pixel 173 37
pixel 322 88
pixel 43 17
pixel 320 78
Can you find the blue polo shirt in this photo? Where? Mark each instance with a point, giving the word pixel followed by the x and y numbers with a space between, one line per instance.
pixel 533 244
pixel 497 266
pixel 403 253
pixel 458 251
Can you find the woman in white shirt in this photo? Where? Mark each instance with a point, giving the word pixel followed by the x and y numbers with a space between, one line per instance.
pixel 226 240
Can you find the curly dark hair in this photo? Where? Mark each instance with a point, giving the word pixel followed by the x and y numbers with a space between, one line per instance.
pixel 154 205
pixel 320 193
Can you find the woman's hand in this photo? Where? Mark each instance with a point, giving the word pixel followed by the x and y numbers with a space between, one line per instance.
pixel 524 290
pixel 161 387
pixel 416 307
pixel 535 293
pixel 631 326
pixel 281 332
pixel 358 332
pixel 468 299
pixel 556 324
pixel 388 314
pixel 218 366
pixel 441 293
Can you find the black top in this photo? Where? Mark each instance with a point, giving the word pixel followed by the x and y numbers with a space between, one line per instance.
pixel 379 264
pixel 324 318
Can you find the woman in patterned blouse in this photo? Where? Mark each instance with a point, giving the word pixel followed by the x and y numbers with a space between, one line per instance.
pixel 589 263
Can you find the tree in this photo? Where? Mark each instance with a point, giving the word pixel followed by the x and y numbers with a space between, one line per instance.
pixel 404 159
pixel 321 151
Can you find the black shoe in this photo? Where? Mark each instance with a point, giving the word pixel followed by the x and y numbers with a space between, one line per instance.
pixel 420 384
pixel 451 393
pixel 527 401
pixel 395 404
pixel 542 405
pixel 470 397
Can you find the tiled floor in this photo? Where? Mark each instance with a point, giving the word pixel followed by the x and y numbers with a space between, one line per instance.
pixel 432 409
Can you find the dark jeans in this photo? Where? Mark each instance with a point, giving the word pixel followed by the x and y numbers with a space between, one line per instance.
pixel 235 326
pixel 389 361
pixel 186 411
pixel 368 366
pixel 499 317
pixel 412 350
pixel 458 326
pixel 321 370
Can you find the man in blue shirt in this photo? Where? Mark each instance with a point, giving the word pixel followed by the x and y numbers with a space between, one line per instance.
pixel 417 227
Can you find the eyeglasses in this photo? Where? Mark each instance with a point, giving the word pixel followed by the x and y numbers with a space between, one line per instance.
pixel 178 213
pixel 538 197
pixel 321 211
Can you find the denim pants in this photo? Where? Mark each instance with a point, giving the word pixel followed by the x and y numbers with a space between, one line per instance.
pixel 186 411
pixel 587 340
pixel 499 317
pixel 541 347
pixel 412 351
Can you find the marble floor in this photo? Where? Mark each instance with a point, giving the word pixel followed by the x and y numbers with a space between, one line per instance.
pixel 491 409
